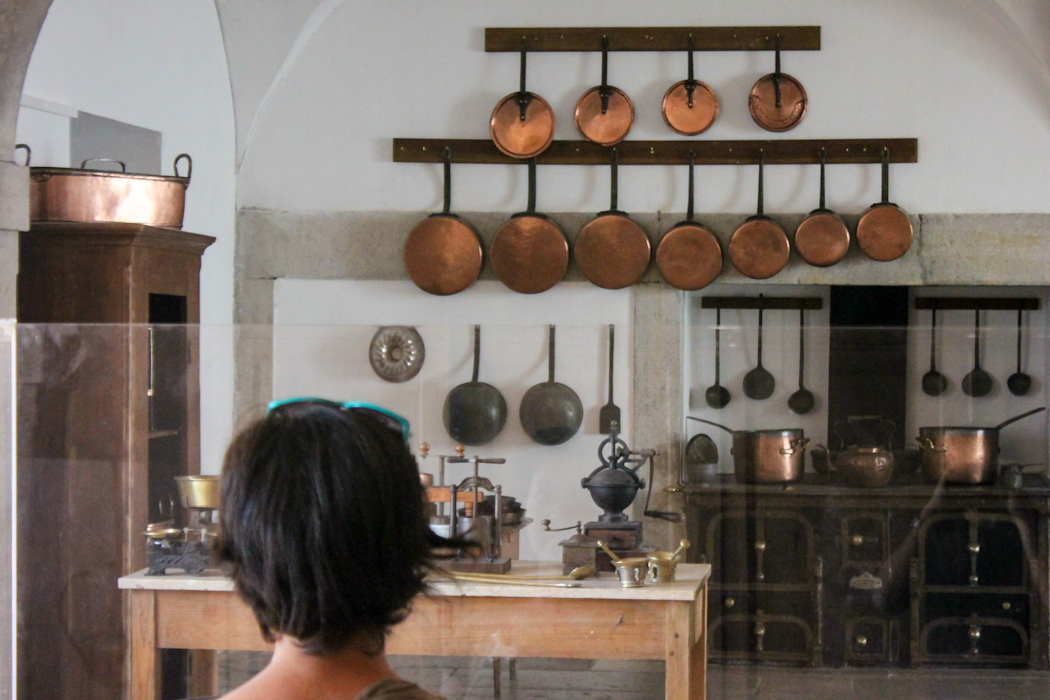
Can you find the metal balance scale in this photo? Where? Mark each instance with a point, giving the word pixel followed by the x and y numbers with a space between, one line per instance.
pixel 188 548
pixel 484 530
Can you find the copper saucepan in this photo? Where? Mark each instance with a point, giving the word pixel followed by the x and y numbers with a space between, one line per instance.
pixel 604 114
pixel 530 253
pixel 443 252
pixel 884 231
pixel 690 107
pixel 822 238
pixel 759 247
pixel 777 101
pixel 689 255
pixel 612 251
pixel 522 124
pixel 766 456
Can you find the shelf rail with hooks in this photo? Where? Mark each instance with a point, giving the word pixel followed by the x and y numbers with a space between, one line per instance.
pixel 977 303
pixel 513 39
pixel 763 302
pixel 777 152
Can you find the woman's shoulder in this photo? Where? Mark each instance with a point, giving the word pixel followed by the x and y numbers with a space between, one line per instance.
pixel 395 689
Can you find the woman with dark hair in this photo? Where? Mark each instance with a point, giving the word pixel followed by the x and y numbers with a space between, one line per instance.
pixel 326 537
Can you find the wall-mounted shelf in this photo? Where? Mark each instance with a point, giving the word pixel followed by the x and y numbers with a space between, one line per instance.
pixel 505 39
pixel 778 152
pixel 977 303
pixel 764 302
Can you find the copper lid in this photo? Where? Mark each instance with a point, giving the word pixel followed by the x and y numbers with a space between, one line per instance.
pixel 604 114
pixel 689 256
pixel 759 248
pixel 690 114
pixel 822 239
pixel 517 137
pixel 763 103
pixel 529 253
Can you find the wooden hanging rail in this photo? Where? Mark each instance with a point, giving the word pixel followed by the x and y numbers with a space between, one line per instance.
pixel 978 303
pixel 778 152
pixel 499 39
pixel 766 303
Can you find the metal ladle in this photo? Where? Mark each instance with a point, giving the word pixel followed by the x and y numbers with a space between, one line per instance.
pixel 1019 383
pixel 717 396
pixel 978 382
pixel 801 401
pixel 933 382
pixel 759 383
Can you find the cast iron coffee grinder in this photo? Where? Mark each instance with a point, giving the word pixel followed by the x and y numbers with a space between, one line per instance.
pixel 485 531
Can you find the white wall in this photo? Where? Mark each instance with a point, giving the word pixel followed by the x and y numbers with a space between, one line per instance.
pixel 321 349
pixel 951 74
pixel 159 65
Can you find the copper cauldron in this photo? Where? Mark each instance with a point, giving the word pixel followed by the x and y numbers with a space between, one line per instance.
pixel 958 455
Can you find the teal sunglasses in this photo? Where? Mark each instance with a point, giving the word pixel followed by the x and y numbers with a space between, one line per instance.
pixel 388 418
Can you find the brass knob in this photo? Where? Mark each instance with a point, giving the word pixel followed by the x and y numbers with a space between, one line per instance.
pixel 460 449
pixel 760 546
pixel 975 632
pixel 974 548
pixel 760 629
pixel 861 640
pixel 729 602
pixel 424 449
pixel 1006 605
pixel 857 540
pixel 672 489
pixel 974 580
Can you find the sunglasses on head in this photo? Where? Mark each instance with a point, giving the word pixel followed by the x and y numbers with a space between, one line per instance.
pixel 389 419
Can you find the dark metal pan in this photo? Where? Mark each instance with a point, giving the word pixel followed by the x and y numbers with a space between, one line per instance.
pixel 689 255
pixel 884 231
pixel 777 101
pixel 474 412
pixel 612 251
pixel 690 107
pixel 822 238
pixel 604 114
pixel 443 254
pixel 530 253
pixel 551 412
pixel 522 124
pixel 759 247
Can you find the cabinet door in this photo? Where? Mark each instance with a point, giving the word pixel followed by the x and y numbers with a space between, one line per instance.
pixel 762 625
pixel 974 549
pixel 774 547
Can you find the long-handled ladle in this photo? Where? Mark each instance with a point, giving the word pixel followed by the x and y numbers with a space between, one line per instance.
pixel 1019 383
pixel 978 382
pixel 717 396
pixel 933 382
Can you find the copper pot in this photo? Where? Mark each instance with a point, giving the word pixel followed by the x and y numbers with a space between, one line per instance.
pixel 822 238
pixel 612 251
pixel 958 455
pixel 766 456
pixel 689 255
pixel 604 114
pixel 777 102
pixel 530 253
pixel 690 107
pixel 82 195
pixel 522 124
pixel 884 231
pixel 759 247
pixel 443 253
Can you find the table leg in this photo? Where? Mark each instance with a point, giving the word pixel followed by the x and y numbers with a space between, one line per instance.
pixel 204 674
pixel 144 655
pixel 685 651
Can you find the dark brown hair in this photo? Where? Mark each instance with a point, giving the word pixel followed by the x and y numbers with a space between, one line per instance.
pixel 324 527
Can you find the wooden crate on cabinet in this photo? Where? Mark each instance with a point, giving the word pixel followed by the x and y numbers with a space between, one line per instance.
pixel 109 412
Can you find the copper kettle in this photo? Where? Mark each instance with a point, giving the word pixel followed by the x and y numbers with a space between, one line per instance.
pixel 866 466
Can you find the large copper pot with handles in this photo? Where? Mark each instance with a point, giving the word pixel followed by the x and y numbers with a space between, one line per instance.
pixel 766 456
pixel 83 195
pixel 958 455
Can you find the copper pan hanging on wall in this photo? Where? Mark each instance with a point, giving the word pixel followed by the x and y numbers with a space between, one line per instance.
pixel 530 253
pixel 759 247
pixel 522 124
pixel 690 107
pixel 884 231
pixel 612 251
pixel 777 101
pixel 443 252
pixel 822 238
pixel 604 114
pixel 689 255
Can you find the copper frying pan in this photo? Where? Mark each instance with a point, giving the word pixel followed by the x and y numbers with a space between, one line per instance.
pixel 884 231
pixel 612 251
pixel 822 238
pixel 522 124
pixel 777 101
pixel 759 247
pixel 689 255
pixel 530 253
pixel 443 252
pixel 690 106
pixel 604 114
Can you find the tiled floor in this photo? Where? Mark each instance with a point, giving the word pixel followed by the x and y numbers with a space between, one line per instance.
pixel 564 679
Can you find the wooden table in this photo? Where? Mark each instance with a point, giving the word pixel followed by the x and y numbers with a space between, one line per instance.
pixel 599 620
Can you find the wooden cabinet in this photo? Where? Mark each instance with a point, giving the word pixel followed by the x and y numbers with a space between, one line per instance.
pixel 108 413
pixel 820 574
